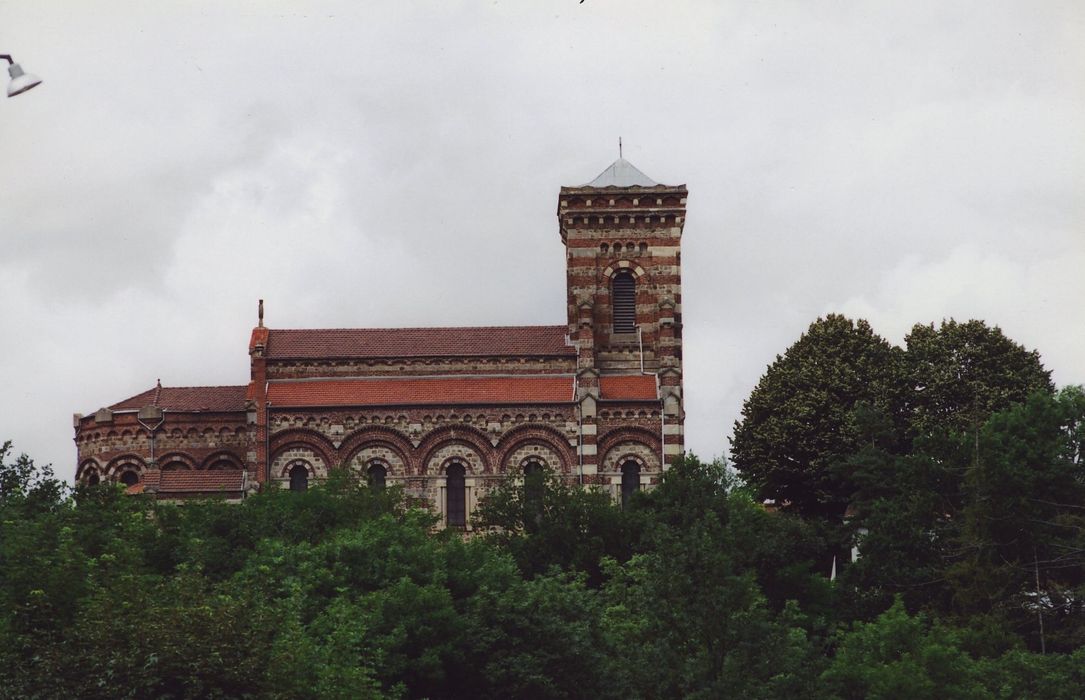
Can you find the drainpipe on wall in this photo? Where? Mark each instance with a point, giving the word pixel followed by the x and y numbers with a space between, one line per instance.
pixel 579 429
pixel 267 441
pixel 662 414
pixel 150 413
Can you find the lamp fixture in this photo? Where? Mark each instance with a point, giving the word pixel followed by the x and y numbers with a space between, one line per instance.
pixel 20 81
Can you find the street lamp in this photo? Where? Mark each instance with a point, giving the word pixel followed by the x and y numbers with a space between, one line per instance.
pixel 20 81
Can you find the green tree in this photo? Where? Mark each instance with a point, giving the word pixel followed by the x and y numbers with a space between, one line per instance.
pixel 960 373
pixel 687 615
pixel 899 656
pixel 813 408
pixel 902 522
pixel 545 523
pixel 1021 547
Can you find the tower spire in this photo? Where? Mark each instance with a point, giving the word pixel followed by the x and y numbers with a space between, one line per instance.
pixel 619 147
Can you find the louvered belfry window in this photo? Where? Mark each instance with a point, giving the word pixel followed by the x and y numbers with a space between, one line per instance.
pixel 624 302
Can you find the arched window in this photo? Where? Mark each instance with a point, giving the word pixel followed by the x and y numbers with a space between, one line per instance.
pixel 299 478
pixel 222 465
pixel 456 496
pixel 623 300
pixel 534 489
pixel 92 478
pixel 377 476
pixel 630 481
pixel 129 478
pixel 174 466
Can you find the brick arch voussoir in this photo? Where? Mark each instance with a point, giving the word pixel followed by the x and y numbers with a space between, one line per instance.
pixel 541 434
pixel 439 437
pixel 125 460
pixel 608 440
pixel 177 456
pixel 378 435
pixel 463 433
pixel 91 463
pixel 223 455
pixel 614 268
pixel 303 437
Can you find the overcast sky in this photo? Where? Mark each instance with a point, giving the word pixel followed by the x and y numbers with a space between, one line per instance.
pixel 395 164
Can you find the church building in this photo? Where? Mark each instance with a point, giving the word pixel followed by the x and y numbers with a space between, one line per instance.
pixel 445 412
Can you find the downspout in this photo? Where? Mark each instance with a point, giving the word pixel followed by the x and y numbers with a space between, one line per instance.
pixel 579 430
pixel 662 415
pixel 267 440
pixel 151 431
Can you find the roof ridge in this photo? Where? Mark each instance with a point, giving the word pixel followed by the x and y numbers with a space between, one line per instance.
pixel 411 377
pixel 422 328
pixel 208 386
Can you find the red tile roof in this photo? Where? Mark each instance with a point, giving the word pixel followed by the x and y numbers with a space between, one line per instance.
pixel 347 343
pixel 632 387
pixel 187 398
pixel 194 481
pixel 423 391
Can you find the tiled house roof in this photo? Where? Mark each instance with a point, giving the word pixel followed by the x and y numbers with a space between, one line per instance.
pixel 488 341
pixel 634 387
pixel 187 398
pixel 422 391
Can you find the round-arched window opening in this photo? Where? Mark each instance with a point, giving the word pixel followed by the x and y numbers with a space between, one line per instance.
pixel 221 465
pixel 299 478
pixel 174 466
pixel 93 479
pixel 377 476
pixel 630 481
pixel 456 496
pixel 129 478
pixel 534 491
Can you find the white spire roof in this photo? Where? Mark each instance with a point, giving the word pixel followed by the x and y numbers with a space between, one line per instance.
pixel 622 173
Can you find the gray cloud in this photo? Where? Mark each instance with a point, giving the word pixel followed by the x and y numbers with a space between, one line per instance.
pixel 398 164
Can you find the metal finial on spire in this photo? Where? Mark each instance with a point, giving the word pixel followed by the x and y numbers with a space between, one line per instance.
pixel 619 146
pixel 260 313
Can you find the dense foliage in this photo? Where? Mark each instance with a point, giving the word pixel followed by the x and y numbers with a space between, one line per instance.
pixel 841 387
pixel 968 507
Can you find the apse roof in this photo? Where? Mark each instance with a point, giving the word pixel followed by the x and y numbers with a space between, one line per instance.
pixel 622 173
pixel 193 481
pixel 345 343
pixel 187 398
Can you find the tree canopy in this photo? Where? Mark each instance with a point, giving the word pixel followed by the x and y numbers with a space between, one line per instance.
pixel 966 508
pixel 814 407
pixel 840 388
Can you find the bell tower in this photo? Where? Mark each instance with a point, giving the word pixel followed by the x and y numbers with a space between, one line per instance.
pixel 623 233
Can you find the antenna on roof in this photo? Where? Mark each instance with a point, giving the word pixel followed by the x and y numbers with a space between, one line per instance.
pixel 260 313
pixel 619 147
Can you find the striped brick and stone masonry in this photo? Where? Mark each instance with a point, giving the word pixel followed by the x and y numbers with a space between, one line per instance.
pixel 447 413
